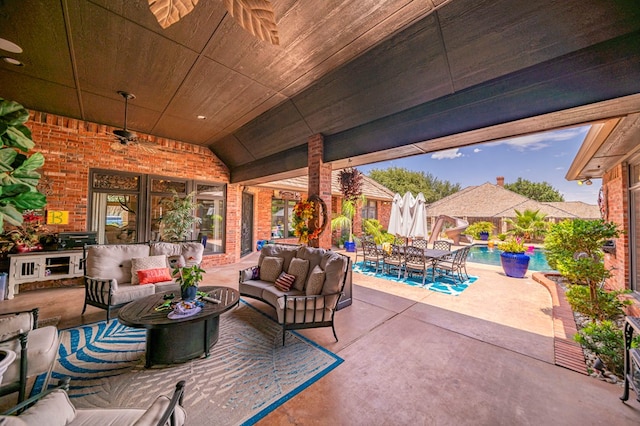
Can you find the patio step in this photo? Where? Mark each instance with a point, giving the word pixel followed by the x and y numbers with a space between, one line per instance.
pixel 567 352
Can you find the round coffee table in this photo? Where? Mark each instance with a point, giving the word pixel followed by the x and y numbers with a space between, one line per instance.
pixel 172 341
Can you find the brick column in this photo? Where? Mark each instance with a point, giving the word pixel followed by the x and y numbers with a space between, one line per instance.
pixel 320 184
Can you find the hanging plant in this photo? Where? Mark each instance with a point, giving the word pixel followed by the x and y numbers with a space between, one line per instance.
pixel 350 180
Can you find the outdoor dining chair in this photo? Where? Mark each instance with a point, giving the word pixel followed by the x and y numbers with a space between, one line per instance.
pixel 393 259
pixel 420 243
pixel 415 261
pixel 442 245
pixel 456 264
pixel 372 255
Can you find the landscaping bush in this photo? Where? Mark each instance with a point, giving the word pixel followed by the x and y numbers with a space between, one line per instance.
pixel 476 228
pixel 606 340
pixel 607 305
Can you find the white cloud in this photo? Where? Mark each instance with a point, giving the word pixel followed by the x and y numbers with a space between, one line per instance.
pixel 541 140
pixel 560 168
pixel 477 150
pixel 446 154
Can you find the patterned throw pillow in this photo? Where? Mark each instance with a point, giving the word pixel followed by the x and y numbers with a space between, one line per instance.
pixel 156 275
pixel 285 281
pixel 316 281
pixel 143 263
pixel 255 273
pixel 299 268
pixel 270 268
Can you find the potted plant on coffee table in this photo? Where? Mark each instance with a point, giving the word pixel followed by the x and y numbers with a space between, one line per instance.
pixel 515 262
pixel 188 277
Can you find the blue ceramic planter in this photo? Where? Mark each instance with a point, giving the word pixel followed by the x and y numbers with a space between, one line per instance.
pixel 350 246
pixel 514 264
pixel 189 293
pixel 484 236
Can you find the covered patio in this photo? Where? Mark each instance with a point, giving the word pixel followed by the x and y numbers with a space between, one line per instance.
pixel 418 357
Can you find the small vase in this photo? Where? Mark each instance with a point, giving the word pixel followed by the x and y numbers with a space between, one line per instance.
pixel 514 264
pixel 189 293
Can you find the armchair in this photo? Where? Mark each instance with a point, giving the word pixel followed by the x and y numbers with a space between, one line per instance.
pixel 53 408
pixel 36 350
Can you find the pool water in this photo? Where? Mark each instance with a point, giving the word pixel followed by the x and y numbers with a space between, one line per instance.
pixel 491 256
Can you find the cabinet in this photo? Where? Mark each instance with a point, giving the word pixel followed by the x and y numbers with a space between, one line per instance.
pixel 631 359
pixel 43 266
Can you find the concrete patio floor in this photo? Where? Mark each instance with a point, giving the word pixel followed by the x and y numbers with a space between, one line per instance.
pixel 412 356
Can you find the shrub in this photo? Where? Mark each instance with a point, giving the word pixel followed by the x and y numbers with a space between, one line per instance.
pixel 476 228
pixel 607 305
pixel 606 340
pixel 512 245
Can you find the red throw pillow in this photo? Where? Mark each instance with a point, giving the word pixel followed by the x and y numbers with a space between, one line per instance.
pixel 150 276
pixel 285 281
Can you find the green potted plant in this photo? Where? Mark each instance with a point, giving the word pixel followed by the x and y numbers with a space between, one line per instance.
pixel 179 217
pixel 18 186
pixel 350 180
pixel 188 277
pixel 344 221
pixel 515 262
pixel 480 230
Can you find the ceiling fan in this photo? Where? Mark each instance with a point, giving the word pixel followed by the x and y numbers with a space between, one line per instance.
pixel 124 135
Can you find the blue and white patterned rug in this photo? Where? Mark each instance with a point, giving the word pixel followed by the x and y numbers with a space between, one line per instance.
pixel 442 283
pixel 248 374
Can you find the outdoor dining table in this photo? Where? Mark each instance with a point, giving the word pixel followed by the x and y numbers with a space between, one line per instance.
pixel 434 256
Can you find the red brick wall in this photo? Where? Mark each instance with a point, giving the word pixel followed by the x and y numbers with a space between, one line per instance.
pixel 319 182
pixel 72 147
pixel 384 213
pixel 617 191
pixel 263 213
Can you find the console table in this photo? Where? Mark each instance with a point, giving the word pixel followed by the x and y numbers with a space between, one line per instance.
pixel 42 266
pixel 631 358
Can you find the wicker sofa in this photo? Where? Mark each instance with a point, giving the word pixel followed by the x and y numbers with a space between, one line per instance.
pixel 311 301
pixel 112 271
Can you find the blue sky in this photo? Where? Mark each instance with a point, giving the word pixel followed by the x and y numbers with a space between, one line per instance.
pixel 540 157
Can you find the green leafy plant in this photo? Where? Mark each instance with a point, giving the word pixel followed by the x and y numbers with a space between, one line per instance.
pixel 18 173
pixel 607 305
pixel 529 225
pixel 512 245
pixel 574 248
pixel 373 228
pixel 179 217
pixel 345 219
pixel 606 340
pixel 476 228
pixel 188 276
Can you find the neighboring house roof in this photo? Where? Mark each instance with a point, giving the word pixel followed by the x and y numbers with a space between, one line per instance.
pixel 578 208
pixel 491 200
pixel 370 188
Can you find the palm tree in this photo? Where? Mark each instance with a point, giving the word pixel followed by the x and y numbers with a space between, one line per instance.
pixel 528 224
pixel 344 220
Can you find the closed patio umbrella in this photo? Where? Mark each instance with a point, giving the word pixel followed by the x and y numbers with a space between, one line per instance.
pixel 407 207
pixel 395 220
pixel 418 227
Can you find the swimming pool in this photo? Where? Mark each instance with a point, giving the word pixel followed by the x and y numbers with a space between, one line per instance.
pixel 491 256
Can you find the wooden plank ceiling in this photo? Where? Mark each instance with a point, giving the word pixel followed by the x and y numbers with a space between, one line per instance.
pixel 377 78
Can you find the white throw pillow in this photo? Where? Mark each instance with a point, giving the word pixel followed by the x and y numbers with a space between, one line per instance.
pixel 142 263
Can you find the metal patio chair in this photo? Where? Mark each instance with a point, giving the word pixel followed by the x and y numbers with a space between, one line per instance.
pixel 394 259
pixel 372 254
pixel 415 261
pixel 455 264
